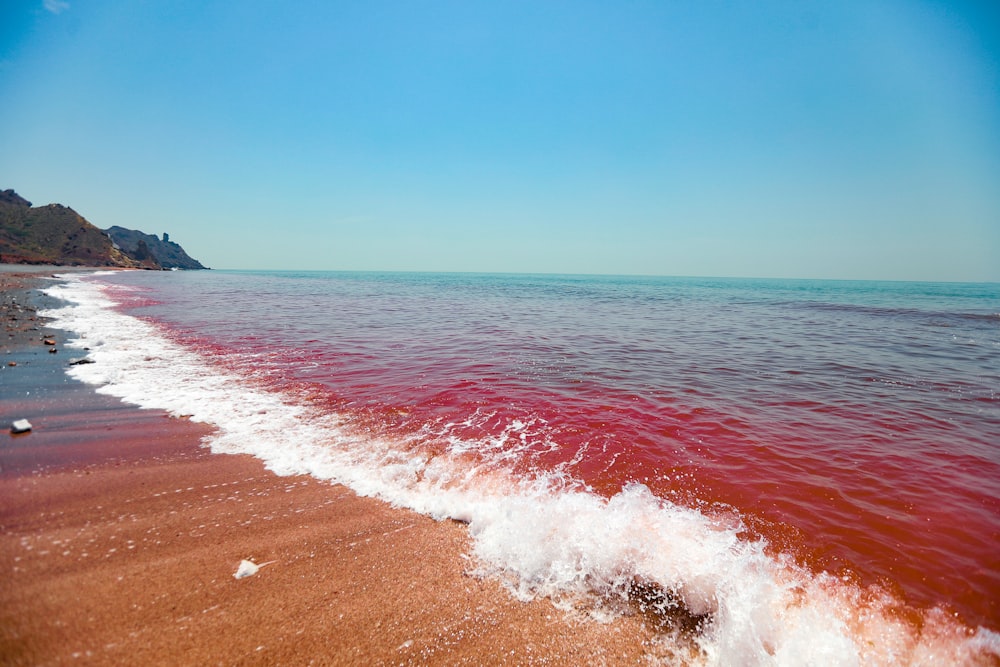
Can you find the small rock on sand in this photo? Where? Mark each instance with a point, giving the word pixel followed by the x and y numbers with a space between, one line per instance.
pixel 20 426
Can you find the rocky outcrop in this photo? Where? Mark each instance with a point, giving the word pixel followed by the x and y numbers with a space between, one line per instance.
pixel 139 244
pixel 11 197
pixel 56 234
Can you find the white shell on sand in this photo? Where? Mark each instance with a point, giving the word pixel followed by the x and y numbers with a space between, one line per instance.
pixel 246 569
pixel 20 426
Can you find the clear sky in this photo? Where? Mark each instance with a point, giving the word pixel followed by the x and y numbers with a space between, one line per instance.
pixel 781 139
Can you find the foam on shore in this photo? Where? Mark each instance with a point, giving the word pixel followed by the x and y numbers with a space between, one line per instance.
pixel 545 535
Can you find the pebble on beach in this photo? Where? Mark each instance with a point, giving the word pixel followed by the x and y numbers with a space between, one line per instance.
pixel 20 426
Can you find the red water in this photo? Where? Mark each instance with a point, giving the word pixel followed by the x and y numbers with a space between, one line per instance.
pixel 853 426
pixel 928 533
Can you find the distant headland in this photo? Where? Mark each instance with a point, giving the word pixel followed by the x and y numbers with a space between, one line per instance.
pixel 56 234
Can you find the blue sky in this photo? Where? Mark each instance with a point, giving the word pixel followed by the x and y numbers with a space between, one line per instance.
pixel 777 139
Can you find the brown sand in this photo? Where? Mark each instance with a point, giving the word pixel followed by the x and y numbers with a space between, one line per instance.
pixel 120 535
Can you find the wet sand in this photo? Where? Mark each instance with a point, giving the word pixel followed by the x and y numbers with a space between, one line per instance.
pixel 120 535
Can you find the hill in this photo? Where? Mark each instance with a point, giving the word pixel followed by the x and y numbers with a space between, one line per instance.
pixel 139 245
pixel 56 234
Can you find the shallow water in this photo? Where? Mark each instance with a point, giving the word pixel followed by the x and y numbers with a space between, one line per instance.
pixel 798 447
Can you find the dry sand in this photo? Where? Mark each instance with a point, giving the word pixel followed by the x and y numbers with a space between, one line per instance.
pixel 120 535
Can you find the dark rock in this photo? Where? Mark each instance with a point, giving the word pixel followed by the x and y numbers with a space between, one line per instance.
pixel 140 245
pixel 11 197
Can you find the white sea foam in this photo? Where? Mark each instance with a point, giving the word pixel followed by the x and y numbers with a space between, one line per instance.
pixel 542 536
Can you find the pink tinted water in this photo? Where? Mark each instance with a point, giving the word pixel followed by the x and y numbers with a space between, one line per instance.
pixel 853 425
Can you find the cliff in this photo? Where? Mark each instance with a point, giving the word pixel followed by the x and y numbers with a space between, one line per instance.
pixel 139 245
pixel 56 234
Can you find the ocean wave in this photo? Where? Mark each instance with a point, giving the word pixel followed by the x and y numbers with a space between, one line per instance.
pixel 720 597
pixel 932 316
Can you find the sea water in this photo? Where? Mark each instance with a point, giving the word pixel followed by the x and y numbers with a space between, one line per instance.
pixel 782 472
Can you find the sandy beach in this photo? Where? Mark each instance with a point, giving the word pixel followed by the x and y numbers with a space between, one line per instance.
pixel 120 535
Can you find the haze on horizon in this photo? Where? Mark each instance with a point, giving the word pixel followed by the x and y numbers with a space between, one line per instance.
pixel 856 140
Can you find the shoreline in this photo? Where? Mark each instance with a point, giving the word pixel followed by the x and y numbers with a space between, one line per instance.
pixel 121 534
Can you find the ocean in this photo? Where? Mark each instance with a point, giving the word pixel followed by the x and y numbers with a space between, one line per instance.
pixel 778 471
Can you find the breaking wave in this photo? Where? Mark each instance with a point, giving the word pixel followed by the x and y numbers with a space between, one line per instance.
pixel 719 597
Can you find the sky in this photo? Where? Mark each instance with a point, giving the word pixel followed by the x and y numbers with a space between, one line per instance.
pixel 856 140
